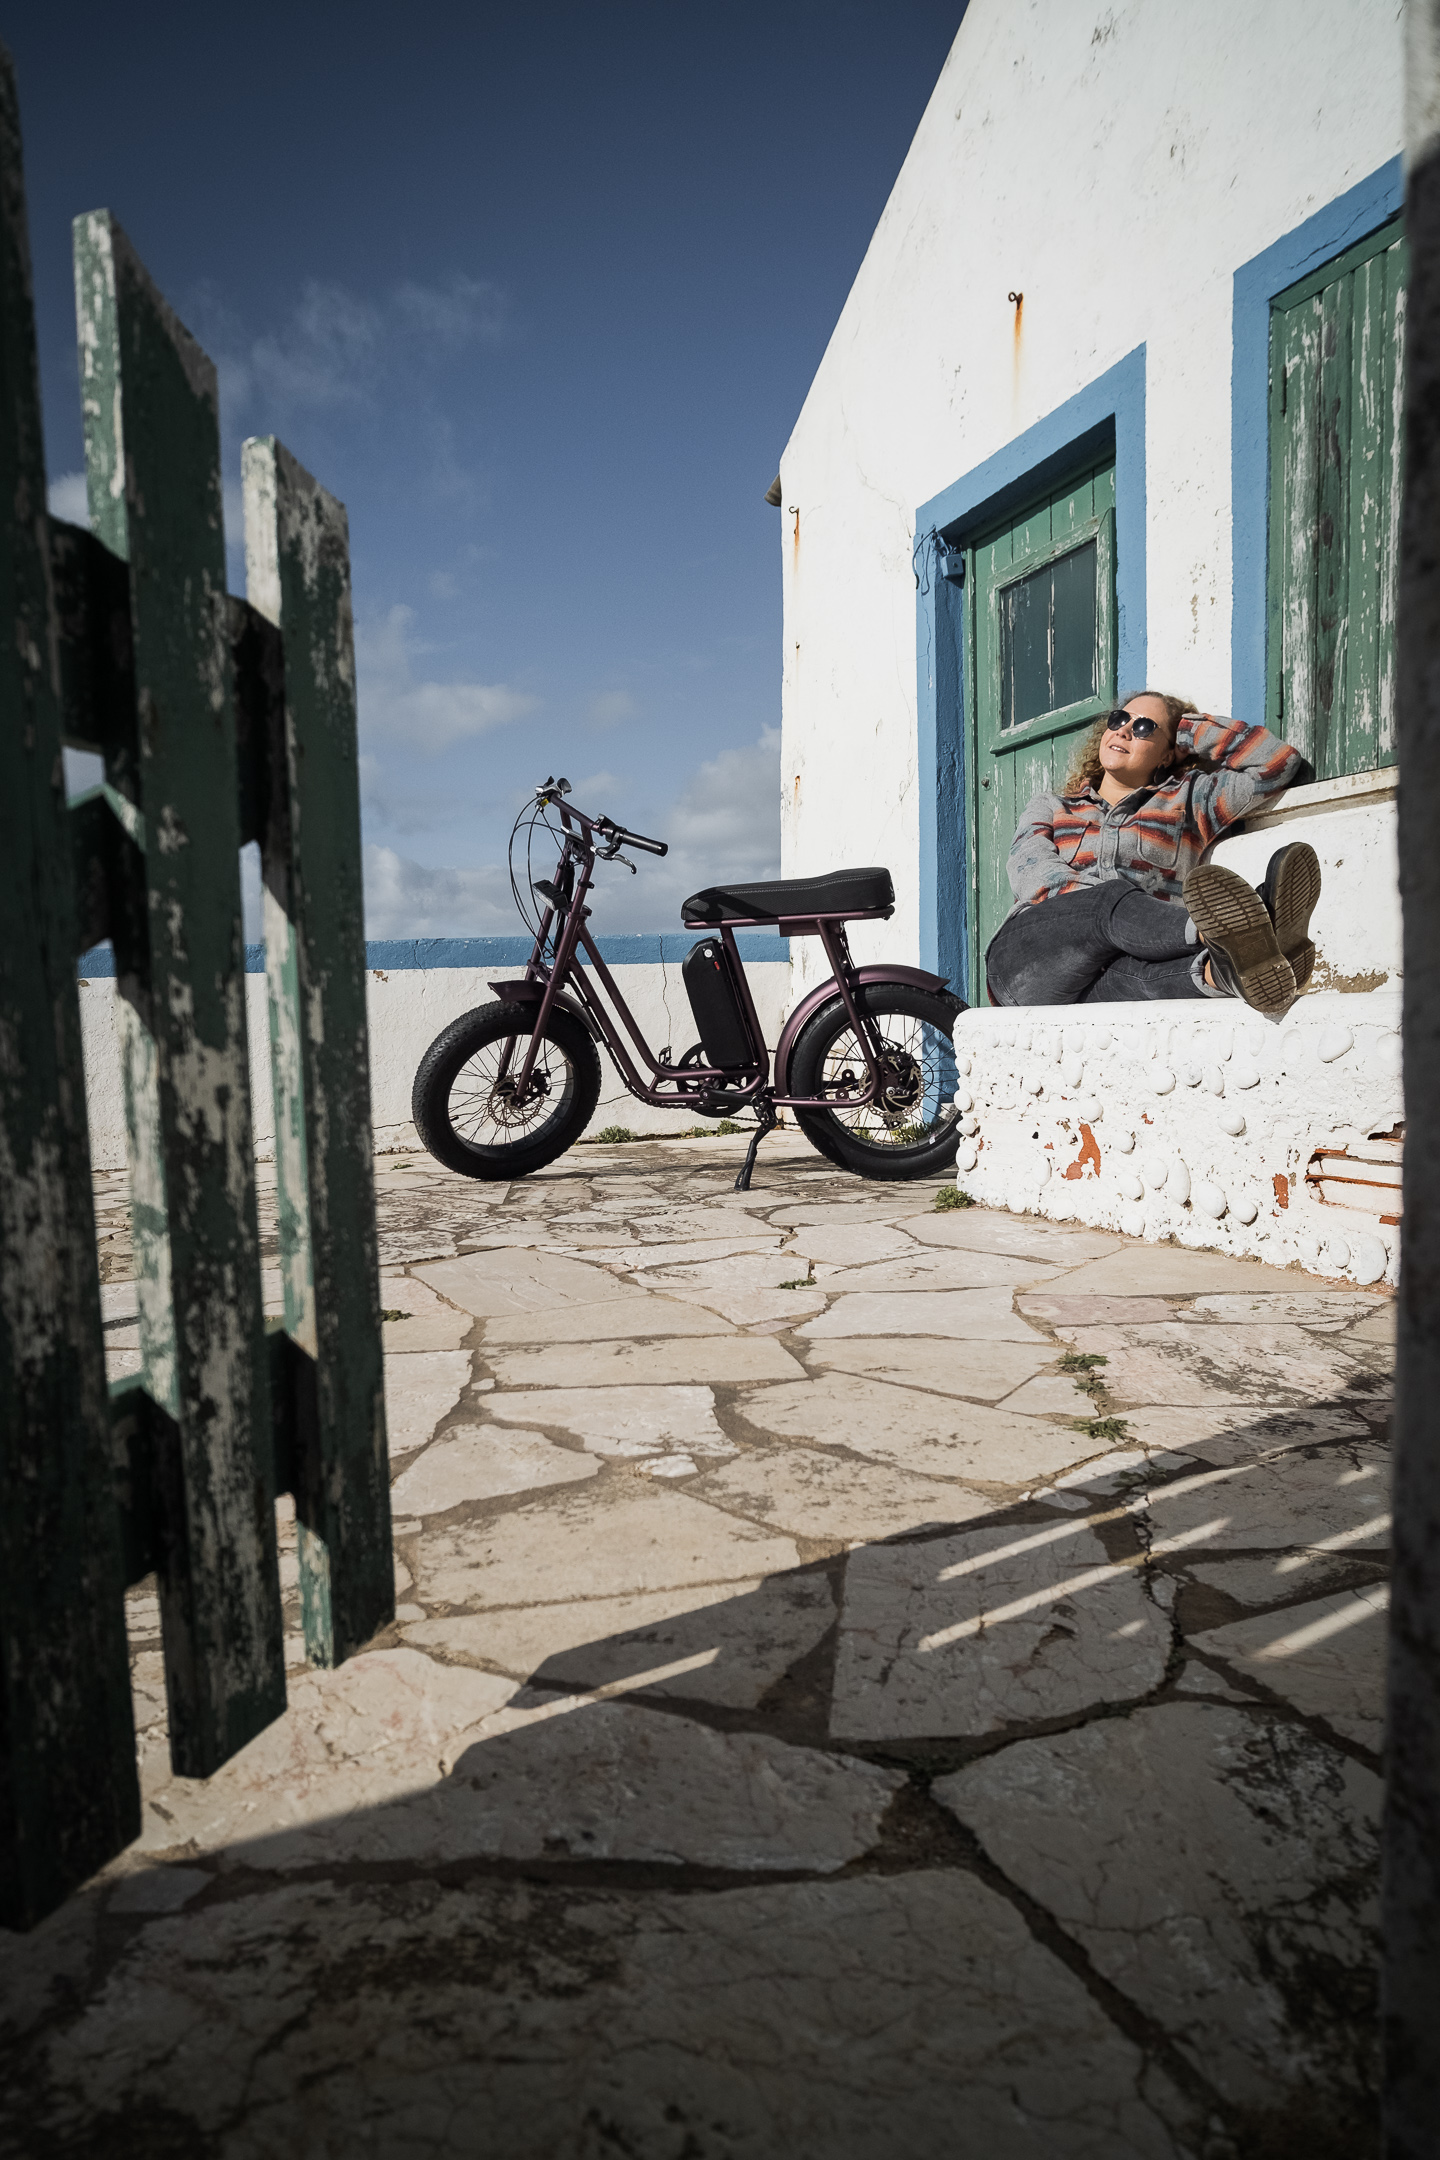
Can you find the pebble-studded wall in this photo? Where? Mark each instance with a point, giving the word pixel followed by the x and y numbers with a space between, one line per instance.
pixel 1205 1124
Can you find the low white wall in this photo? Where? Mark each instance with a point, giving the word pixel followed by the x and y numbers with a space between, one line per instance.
pixel 1193 1121
pixel 408 1008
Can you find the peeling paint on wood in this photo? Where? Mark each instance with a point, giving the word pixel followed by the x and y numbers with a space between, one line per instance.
pixel 1337 384
pixel 152 460
pixel 68 1791
pixel 298 575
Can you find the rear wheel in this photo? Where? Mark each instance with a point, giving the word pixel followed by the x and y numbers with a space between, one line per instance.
pixel 465 1104
pixel 911 1130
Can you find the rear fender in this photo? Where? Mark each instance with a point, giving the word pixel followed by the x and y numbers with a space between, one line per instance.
pixel 913 979
pixel 526 992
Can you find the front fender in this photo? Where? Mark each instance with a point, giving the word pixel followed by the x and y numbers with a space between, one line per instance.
pixel 527 992
pixel 912 977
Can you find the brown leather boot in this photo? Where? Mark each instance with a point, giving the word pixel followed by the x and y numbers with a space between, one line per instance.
pixel 1234 924
pixel 1290 889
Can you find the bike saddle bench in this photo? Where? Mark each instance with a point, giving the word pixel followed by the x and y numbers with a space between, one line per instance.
pixel 839 892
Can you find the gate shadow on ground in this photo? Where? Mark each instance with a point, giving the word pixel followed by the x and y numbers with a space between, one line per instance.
pixel 948 1818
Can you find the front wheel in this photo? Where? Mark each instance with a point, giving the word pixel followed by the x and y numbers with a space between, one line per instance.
pixel 911 1131
pixel 466 1105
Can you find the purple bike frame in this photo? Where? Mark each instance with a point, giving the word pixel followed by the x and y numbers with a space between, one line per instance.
pixel 562 982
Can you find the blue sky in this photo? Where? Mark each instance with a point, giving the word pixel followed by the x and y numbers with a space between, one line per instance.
pixel 538 292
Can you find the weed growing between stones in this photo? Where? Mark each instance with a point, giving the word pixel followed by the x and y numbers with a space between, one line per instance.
pixel 1101 1428
pixel 612 1135
pixel 950 1196
pixel 391 1312
pixel 802 1282
pixel 1081 1364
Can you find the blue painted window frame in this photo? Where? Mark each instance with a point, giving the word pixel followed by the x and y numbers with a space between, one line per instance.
pixel 1361 210
pixel 1108 415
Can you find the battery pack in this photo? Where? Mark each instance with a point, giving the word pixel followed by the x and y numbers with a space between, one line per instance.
pixel 715 1002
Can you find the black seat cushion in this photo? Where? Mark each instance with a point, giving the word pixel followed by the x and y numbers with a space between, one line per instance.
pixel 839 892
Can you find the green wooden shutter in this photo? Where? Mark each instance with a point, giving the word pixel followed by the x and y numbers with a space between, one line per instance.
pixel 1336 387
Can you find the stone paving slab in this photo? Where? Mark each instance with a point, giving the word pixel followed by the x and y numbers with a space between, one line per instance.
pixel 662 1643
pixel 1326 1657
pixel 998 1626
pixel 806 1713
pixel 983 1371
pixel 594 1542
pixel 640 1318
pixel 1214 1862
pixel 920 1432
pixel 484 1462
pixel 420 1388
pixel 535 2021
pixel 825 1498
pixel 986 1315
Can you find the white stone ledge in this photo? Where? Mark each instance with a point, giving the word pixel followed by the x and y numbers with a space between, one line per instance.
pixel 1323 795
pixel 1188 1121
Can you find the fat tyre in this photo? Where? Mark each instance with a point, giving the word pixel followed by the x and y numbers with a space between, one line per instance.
pixel 892 1143
pixel 461 1113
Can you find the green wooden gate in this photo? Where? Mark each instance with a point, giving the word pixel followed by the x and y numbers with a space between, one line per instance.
pixel 1040 666
pixel 219 721
pixel 1336 393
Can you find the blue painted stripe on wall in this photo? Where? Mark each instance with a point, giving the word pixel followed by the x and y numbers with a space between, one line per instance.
pixel 1360 210
pixel 396 955
pixel 1111 406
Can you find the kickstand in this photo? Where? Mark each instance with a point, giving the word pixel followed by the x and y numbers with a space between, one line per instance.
pixel 768 1122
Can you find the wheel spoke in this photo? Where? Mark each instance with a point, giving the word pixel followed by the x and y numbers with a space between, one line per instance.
pixel 483 1109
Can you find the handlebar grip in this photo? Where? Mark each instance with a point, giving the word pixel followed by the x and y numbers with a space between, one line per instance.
pixel 635 839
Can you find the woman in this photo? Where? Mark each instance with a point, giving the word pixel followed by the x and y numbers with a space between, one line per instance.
pixel 1113 899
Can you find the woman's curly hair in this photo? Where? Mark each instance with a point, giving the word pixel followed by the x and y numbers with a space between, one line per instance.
pixel 1087 771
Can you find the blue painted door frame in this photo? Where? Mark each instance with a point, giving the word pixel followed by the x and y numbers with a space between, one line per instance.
pixel 1106 417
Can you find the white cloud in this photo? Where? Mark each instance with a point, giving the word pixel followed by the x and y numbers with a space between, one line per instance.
pixel 66 498
pixel 327 354
pixel 724 828
pixel 611 707
pixel 467 311
pixel 424 716
pixel 409 899
pixel 338 348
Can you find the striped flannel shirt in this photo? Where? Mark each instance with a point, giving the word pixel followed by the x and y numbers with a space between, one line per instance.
pixel 1158 835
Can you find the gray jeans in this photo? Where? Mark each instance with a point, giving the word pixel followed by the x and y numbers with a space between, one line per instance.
pixel 1103 945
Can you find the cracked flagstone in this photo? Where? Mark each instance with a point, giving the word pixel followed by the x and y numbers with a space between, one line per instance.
pixel 731 1647
pixel 421 1388
pixel 824 1497
pixel 1326 1656
pixel 923 1432
pixel 994 1627
pixel 982 1371
pixel 592 1542
pixel 482 1462
pixel 627 1421
pixel 987 1315
pixel 1338 1498
pixel 1214 1863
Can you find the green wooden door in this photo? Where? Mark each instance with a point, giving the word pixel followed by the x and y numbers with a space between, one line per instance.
pixel 1042 666
pixel 1336 388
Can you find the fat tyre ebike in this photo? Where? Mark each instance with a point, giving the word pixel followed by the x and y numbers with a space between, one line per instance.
pixel 865 1061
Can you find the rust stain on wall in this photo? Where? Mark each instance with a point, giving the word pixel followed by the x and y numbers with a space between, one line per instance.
pixel 1089 1154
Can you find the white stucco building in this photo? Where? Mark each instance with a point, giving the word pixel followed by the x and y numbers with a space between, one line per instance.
pixel 1123 360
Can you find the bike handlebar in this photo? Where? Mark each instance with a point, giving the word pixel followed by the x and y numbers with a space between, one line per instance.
pixel 616 835
pixel 631 839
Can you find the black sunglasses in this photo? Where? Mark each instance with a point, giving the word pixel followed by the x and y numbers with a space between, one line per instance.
pixel 1141 729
